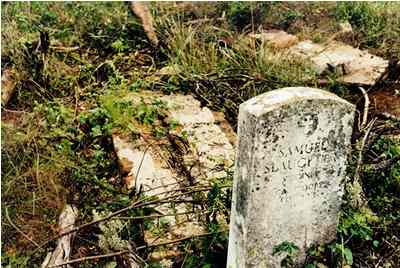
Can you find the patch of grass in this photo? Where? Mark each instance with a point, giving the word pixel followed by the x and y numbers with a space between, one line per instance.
pixel 52 158
pixel 242 15
pixel 224 75
pixel 45 72
pixel 377 25
pixel 372 230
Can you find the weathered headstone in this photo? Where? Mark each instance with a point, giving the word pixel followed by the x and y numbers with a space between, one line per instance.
pixel 290 165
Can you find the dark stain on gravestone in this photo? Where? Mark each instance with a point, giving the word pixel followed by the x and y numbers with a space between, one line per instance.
pixel 308 123
pixel 243 193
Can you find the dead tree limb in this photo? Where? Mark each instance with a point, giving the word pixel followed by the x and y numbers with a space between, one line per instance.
pixel 358 196
pixel 366 108
pixel 19 230
pixel 136 204
pixel 123 252
pixel 141 10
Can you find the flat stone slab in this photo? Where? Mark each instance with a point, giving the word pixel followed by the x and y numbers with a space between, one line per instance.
pixel 290 164
pixel 211 152
pixel 209 157
pixel 306 49
pixel 276 38
pixel 353 65
pixel 187 111
pixel 141 167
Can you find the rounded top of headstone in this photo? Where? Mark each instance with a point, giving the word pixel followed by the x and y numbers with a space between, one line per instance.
pixel 271 100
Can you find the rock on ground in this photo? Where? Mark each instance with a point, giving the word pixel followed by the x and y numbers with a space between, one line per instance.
pixel 209 156
pixel 276 38
pixel 353 65
pixel 211 152
pixel 7 86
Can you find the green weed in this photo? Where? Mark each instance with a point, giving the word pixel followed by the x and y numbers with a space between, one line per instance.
pixel 225 76
pixel 376 24
pixel 290 249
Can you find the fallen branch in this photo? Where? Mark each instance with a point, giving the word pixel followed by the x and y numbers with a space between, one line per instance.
pixel 137 204
pixel 85 225
pixel 96 257
pixel 141 10
pixel 358 197
pixel 62 252
pixel 386 164
pixel 118 253
pixel 15 111
pixel 366 107
pixel 179 240
pixel 19 230
pixel 160 216
pixel 65 49
pixel 390 116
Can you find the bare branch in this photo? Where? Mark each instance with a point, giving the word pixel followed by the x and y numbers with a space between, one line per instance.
pixel 366 107
pixel 19 230
pixel 118 253
pixel 358 195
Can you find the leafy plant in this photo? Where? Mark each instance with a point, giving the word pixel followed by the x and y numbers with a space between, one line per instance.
pixel 147 114
pixel 375 22
pixel 355 224
pixel 119 46
pixel 343 253
pixel 290 249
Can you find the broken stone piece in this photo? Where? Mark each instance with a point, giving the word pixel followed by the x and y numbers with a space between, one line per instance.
pixel 211 152
pixel 62 252
pixel 141 168
pixel 345 28
pixel 355 66
pixel 277 38
pixel 7 86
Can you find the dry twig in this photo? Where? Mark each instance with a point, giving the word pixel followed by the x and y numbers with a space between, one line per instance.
pixel 19 230
pixel 366 108
pixel 358 195
pixel 136 204
pixel 138 248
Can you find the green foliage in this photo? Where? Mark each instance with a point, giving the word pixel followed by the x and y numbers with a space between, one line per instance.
pixel 138 85
pixel 290 249
pixel 343 253
pixel 147 114
pixel 336 86
pixel 125 114
pixel 226 76
pixel 289 17
pixel 355 224
pixel 121 111
pixel 14 261
pixel 376 23
pixel 384 184
pixel 119 46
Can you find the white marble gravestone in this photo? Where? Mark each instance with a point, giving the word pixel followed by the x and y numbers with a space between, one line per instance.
pixel 290 166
